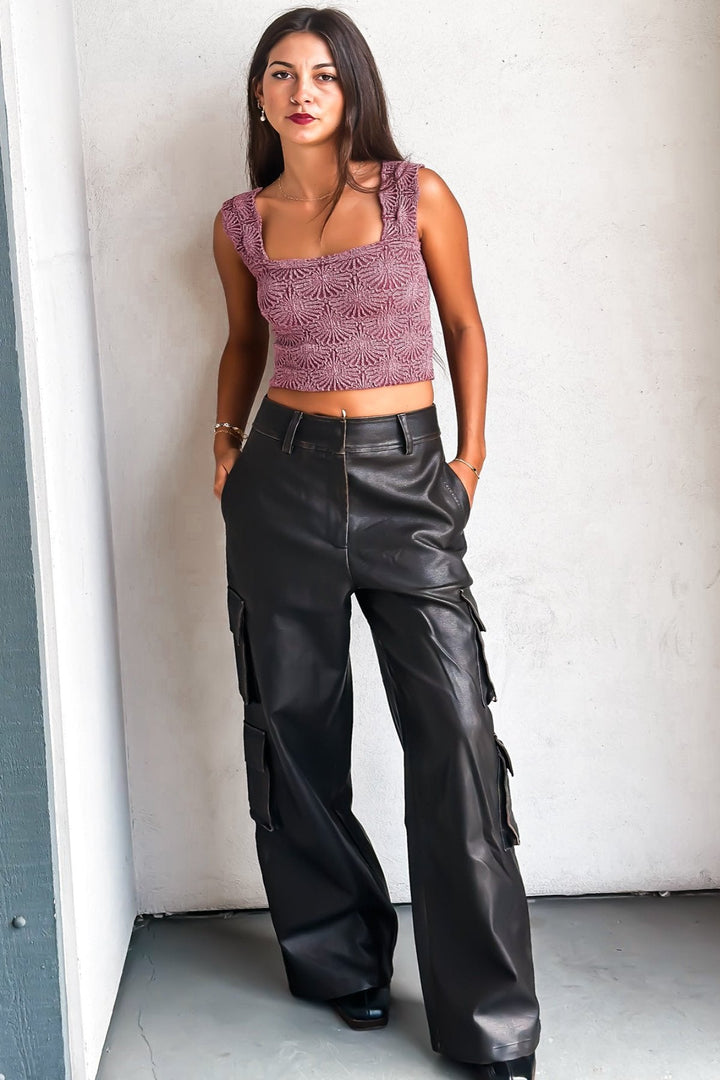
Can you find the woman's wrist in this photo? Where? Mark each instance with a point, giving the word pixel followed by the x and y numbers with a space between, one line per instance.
pixel 470 465
pixel 225 441
pixel 225 427
pixel 472 456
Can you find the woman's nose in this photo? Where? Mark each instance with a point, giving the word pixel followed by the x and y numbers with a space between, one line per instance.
pixel 303 89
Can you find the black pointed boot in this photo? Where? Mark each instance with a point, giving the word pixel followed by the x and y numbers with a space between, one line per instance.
pixel 522 1068
pixel 364 1009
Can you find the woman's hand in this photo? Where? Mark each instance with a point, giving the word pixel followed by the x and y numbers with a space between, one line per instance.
pixel 467 477
pixel 225 458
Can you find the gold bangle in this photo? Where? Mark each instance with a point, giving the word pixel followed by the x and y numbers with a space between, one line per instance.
pixel 476 471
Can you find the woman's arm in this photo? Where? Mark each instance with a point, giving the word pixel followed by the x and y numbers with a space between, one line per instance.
pixel 244 357
pixel 444 244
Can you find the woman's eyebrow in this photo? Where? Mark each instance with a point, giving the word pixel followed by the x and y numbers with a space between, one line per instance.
pixel 328 63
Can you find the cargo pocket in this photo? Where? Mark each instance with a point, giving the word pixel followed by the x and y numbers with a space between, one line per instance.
pixel 488 688
pixel 508 825
pixel 247 682
pixel 258 775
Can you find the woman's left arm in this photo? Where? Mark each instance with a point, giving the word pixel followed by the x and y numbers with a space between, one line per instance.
pixel 444 243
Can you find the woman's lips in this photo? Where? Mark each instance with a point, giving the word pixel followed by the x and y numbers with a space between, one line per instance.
pixel 301 118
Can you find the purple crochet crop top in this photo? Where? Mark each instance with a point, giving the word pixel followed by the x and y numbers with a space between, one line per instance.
pixel 353 319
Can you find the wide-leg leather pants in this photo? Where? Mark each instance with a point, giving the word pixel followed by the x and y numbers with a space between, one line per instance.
pixel 317 508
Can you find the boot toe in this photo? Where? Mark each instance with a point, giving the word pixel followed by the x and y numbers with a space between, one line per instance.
pixel 522 1068
pixel 365 1008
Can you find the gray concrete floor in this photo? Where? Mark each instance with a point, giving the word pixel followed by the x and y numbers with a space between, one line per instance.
pixel 628 990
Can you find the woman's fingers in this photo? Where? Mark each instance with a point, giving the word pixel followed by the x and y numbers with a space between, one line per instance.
pixel 222 471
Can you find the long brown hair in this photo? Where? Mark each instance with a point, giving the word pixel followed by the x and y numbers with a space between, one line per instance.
pixel 365 134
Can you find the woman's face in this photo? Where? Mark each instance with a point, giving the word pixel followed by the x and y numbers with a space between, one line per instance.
pixel 300 67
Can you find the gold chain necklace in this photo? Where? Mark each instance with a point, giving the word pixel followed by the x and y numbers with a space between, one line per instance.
pixel 301 198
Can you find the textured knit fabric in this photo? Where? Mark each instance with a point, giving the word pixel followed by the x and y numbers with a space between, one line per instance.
pixel 353 319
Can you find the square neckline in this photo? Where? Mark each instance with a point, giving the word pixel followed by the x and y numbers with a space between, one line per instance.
pixel 331 254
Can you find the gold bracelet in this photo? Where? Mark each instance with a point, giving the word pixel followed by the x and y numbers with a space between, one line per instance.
pixel 476 471
pixel 230 429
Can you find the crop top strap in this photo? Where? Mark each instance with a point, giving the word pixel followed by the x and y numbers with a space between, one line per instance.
pixel 400 200
pixel 240 222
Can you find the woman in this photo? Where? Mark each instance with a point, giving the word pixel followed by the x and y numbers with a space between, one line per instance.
pixel 341 487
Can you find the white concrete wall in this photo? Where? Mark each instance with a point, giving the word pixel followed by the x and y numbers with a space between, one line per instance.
pixel 74 575
pixel 581 141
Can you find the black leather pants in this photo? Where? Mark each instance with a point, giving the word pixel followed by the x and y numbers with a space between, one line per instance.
pixel 317 508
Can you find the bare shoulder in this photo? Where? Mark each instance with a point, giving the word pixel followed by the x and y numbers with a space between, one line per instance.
pixel 437 206
pixel 432 186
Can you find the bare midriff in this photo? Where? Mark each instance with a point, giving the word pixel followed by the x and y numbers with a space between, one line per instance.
pixel 375 401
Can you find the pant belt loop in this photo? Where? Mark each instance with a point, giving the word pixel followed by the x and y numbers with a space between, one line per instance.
pixel 344 420
pixel 406 433
pixel 291 429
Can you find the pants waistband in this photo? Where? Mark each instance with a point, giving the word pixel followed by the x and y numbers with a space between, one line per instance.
pixel 338 433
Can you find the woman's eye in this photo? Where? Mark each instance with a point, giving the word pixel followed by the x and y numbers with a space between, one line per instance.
pixel 280 75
